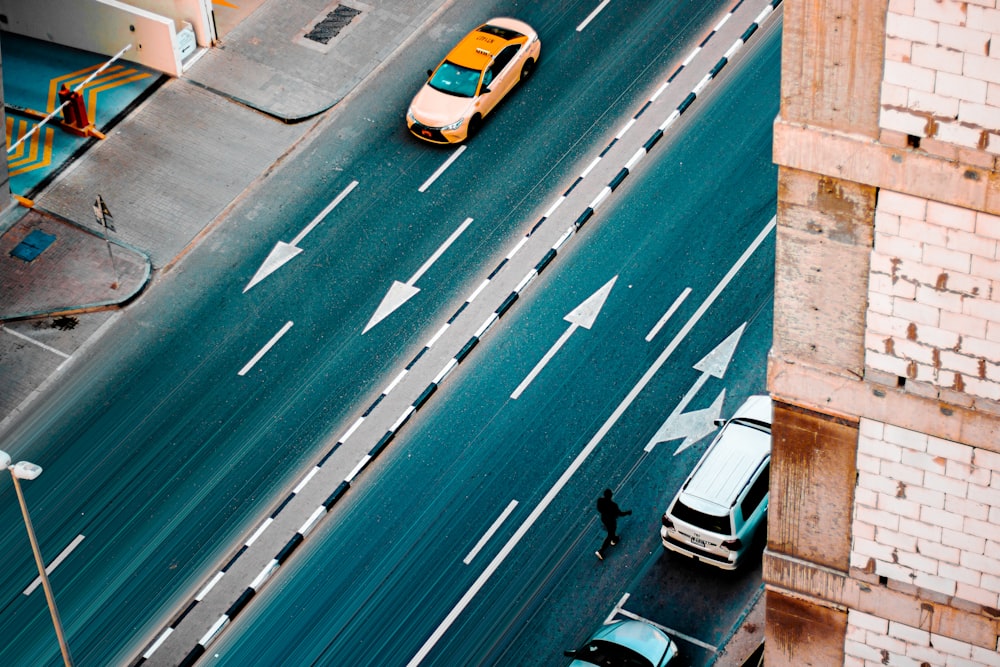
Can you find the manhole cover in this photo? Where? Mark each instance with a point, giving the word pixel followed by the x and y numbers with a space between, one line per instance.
pixel 331 25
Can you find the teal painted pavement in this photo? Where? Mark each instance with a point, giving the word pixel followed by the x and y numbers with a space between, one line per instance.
pixel 33 71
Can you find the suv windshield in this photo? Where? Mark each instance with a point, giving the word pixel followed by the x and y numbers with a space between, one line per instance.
pixel 709 522
pixel 600 652
pixel 455 80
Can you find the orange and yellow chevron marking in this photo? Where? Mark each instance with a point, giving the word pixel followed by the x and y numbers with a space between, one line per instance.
pixel 94 91
pixel 225 4
pixel 12 137
pixel 114 76
pixel 17 162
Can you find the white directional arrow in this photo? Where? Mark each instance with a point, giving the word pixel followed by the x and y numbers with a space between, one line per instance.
pixel 283 252
pixel 694 426
pixel 584 316
pixel 399 293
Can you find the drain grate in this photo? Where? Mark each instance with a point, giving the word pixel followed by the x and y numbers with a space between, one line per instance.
pixel 332 24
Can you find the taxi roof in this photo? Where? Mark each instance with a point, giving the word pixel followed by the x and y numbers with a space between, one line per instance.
pixel 489 38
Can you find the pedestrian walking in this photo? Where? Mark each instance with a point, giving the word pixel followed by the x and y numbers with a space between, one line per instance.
pixel 609 511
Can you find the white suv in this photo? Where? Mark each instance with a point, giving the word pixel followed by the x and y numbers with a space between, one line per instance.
pixel 723 502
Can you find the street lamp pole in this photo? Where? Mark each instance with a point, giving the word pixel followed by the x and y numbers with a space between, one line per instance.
pixel 25 470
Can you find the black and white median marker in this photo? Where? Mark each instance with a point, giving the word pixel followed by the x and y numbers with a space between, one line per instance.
pixel 695 425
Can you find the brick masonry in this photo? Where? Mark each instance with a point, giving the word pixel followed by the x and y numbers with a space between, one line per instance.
pixel 927 514
pixel 934 295
pixel 942 73
pixel 911 345
pixel 875 641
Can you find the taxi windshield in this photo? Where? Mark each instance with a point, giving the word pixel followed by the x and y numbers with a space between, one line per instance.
pixel 455 80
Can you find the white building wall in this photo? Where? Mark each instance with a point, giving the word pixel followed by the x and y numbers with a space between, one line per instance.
pixel 934 296
pixel 874 642
pixel 942 72
pixel 927 514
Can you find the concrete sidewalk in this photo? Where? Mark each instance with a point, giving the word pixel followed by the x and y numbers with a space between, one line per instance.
pixel 174 165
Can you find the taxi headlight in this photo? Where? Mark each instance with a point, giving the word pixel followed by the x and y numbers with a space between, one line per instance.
pixel 453 126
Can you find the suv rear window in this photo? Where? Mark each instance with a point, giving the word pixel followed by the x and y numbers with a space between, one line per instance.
pixel 709 522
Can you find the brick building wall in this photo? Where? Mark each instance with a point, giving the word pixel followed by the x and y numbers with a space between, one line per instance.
pixel 884 528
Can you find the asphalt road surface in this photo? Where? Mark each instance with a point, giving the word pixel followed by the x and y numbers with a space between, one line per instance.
pixel 474 543
pixel 166 444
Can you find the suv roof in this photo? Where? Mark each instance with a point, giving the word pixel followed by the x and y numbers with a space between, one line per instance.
pixel 742 446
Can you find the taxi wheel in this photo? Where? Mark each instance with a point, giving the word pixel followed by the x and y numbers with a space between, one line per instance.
pixel 475 123
pixel 527 69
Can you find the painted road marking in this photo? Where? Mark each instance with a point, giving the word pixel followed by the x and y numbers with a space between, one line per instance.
pixel 489 533
pixel 584 316
pixel 621 610
pixel 54 564
pixel 274 339
pixel 587 450
pixel 35 342
pixel 440 170
pixel 399 293
pixel 282 252
pixel 693 426
pixel 592 15
pixel 666 316
pixel 670 631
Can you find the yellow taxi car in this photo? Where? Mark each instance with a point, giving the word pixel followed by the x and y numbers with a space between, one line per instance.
pixel 472 79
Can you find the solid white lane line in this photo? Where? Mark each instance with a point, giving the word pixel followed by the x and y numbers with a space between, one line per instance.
pixel 585 452
pixel 319 218
pixel 54 564
pixel 666 316
pixel 489 533
pixel 35 342
pixel 593 14
pixel 264 350
pixel 440 170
